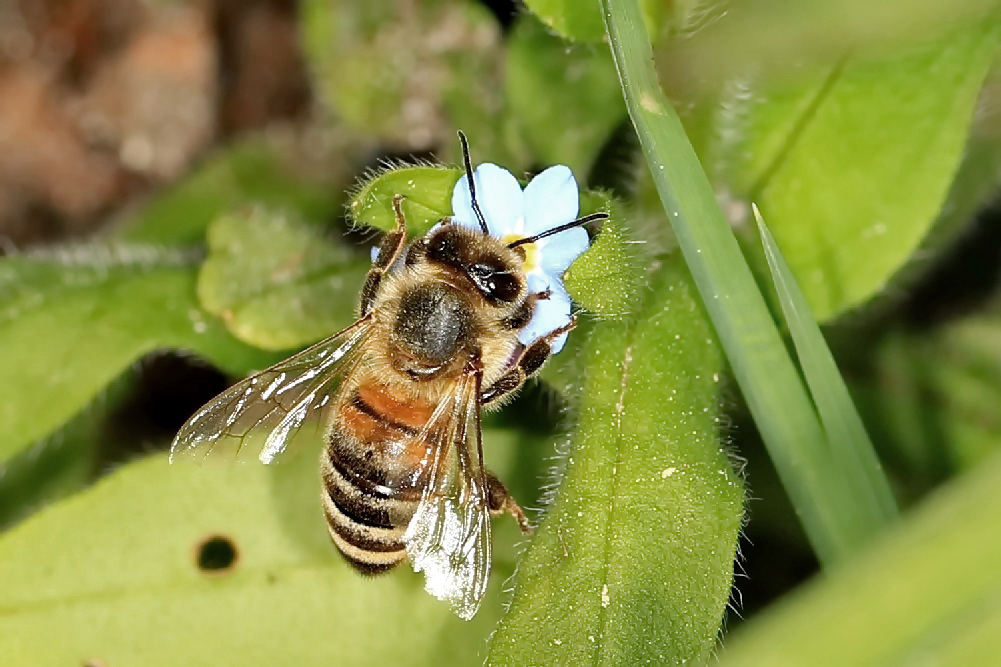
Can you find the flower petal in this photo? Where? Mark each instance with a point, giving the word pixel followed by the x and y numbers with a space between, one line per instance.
pixel 551 199
pixel 499 196
pixel 538 282
pixel 557 252
pixel 550 314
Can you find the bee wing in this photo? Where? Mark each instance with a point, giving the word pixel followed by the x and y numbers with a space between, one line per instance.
pixel 276 400
pixel 448 538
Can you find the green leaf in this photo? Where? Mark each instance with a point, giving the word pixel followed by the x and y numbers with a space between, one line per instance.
pixel 581 21
pixel 963 389
pixel 830 508
pixel 573 87
pixel 54 467
pixel 276 282
pixel 80 315
pixel 743 37
pixel 926 594
pixel 853 165
pixel 578 21
pixel 976 180
pixel 112 576
pixel 255 170
pixel 427 197
pixel 850 449
pixel 634 562
pixel 604 279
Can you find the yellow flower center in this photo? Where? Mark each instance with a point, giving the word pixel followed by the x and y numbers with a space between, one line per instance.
pixel 531 251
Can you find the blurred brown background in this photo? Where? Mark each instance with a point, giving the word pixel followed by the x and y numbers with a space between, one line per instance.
pixel 101 101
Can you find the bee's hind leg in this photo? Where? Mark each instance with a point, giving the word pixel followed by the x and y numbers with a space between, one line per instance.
pixel 501 502
pixel 389 249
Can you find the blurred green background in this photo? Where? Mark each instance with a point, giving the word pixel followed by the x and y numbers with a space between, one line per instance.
pixel 189 192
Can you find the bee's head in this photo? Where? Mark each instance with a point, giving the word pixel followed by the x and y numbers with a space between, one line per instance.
pixel 497 267
pixel 493 269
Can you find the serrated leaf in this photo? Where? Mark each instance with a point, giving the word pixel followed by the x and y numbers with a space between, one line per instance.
pixel 133 592
pixel 634 561
pixel 854 163
pixel 551 84
pixel 276 282
pixel 79 316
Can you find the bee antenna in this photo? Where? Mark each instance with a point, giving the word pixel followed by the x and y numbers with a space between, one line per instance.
pixel 472 185
pixel 561 228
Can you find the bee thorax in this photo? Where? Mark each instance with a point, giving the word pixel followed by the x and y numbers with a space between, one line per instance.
pixel 433 323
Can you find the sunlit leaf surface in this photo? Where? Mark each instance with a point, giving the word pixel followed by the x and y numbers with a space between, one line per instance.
pixel 852 164
pixel 120 574
pixel 77 317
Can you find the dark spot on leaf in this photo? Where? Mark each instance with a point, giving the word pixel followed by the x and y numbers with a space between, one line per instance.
pixel 216 554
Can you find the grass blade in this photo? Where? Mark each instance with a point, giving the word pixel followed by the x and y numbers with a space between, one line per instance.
pixel 850 446
pixel 834 508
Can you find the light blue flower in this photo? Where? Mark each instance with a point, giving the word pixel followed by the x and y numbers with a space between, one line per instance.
pixel 548 201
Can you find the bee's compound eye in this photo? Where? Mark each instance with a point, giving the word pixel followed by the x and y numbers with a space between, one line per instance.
pixel 504 287
pixel 494 282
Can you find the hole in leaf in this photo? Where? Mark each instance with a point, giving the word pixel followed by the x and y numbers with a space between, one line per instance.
pixel 216 554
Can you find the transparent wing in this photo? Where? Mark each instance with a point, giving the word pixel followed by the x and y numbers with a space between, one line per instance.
pixel 275 401
pixel 448 538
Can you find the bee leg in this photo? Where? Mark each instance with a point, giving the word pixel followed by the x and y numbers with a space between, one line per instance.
pixel 389 249
pixel 501 502
pixel 508 382
pixel 528 364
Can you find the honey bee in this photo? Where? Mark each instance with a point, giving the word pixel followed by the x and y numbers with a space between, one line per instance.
pixel 401 391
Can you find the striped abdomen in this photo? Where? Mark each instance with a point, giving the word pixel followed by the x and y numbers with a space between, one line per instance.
pixel 371 470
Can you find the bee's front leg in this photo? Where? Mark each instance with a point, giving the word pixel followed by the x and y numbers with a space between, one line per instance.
pixel 389 249
pixel 528 364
